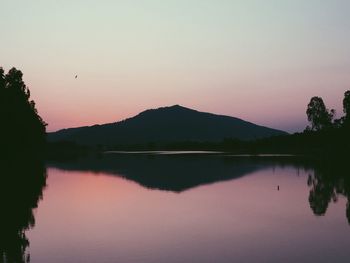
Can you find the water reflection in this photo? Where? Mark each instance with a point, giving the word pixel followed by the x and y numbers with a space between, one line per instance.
pixel 215 209
pixel 22 184
pixel 201 211
pixel 326 185
pixel 175 173
pixel 178 173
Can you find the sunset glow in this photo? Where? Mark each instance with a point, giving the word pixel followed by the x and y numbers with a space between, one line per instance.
pixel 257 60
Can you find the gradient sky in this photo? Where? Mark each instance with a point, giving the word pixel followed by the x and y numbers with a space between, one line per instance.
pixel 257 60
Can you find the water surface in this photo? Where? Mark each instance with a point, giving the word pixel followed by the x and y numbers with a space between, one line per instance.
pixel 186 208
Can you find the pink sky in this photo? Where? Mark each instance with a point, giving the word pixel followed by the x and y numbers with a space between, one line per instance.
pixel 259 62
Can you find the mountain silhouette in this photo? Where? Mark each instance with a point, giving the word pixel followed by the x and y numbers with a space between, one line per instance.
pixel 166 124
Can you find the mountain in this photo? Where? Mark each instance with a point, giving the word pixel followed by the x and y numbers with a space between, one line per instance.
pixel 166 124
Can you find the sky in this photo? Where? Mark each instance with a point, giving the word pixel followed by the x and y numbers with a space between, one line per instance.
pixel 257 60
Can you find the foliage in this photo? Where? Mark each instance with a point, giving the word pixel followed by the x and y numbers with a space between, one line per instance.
pixel 21 125
pixel 346 106
pixel 319 116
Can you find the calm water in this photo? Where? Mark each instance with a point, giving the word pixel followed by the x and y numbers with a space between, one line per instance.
pixel 184 208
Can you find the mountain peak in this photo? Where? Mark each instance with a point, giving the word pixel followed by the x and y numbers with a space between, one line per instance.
pixel 166 109
pixel 179 107
pixel 176 106
pixel 173 107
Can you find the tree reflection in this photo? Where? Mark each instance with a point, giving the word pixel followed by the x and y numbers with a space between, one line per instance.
pixel 21 187
pixel 327 184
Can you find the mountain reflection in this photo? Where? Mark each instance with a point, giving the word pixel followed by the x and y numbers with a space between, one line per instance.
pixel 175 173
pixel 326 184
pixel 22 184
pixel 178 173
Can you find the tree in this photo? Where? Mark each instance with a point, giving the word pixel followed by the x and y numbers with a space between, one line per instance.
pixel 346 106
pixel 21 125
pixel 319 116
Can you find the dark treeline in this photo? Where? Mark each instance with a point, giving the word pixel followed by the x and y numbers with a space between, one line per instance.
pixel 332 143
pixel 22 129
pixel 326 137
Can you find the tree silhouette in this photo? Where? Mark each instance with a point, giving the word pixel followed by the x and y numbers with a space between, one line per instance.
pixel 21 125
pixel 346 106
pixel 318 114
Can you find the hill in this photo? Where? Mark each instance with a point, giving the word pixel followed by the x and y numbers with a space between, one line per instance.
pixel 163 125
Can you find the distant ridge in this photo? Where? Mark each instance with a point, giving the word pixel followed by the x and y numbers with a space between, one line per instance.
pixel 166 124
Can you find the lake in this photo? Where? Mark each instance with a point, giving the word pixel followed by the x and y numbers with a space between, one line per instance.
pixel 190 207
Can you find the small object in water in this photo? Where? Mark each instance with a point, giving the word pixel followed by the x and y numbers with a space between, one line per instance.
pixel 278 187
